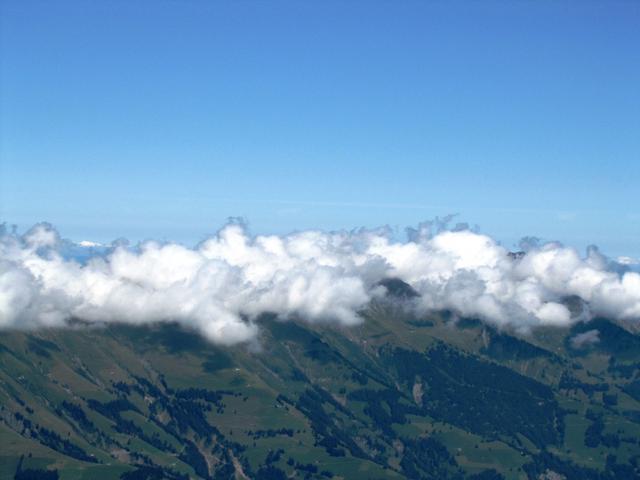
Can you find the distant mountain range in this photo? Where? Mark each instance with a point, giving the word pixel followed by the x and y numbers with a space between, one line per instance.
pixel 400 396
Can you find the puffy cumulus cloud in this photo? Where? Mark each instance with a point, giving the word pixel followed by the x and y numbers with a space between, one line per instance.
pixel 219 287
pixel 222 285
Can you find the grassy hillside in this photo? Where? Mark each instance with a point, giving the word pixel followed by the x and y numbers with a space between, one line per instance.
pixel 397 397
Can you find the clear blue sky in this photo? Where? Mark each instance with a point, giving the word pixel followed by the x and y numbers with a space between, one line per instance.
pixel 162 118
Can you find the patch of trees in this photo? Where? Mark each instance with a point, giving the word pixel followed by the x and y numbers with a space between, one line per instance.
pixel 298 376
pixel 384 407
pixel 113 408
pixel 270 472
pixel 26 423
pixel 122 387
pixel 192 456
pixel 321 352
pixel 285 400
pixel 427 458
pixel 594 435
pixel 359 377
pixel 332 447
pixel 420 323
pixel 141 458
pixel 225 471
pixel 306 467
pixel 506 347
pixel 616 470
pixel 157 442
pixel 270 433
pixel 274 456
pixel 41 347
pixel 612 338
pixel 148 387
pixel 633 389
pixel 624 370
pixel 610 400
pixel 633 415
pixel 490 474
pixel 210 396
pixel 112 411
pixel 128 427
pixel 187 414
pixel 613 471
pixel 54 441
pixel 480 396
pixel 77 413
pixel 464 323
pixel 153 472
pixel 569 382
pixel 327 433
pixel 36 474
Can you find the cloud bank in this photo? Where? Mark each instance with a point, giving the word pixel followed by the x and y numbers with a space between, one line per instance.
pixel 222 285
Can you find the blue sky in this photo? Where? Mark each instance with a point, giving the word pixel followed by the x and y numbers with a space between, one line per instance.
pixel 162 118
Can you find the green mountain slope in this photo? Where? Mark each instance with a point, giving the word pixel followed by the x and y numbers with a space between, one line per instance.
pixel 397 397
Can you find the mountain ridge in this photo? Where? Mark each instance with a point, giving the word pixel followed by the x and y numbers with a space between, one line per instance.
pixel 399 396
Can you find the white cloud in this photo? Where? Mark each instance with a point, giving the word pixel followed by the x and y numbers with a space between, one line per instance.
pixel 585 339
pixel 89 244
pixel 625 260
pixel 221 286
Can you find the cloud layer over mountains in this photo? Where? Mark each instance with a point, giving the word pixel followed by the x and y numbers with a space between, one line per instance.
pixel 221 286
